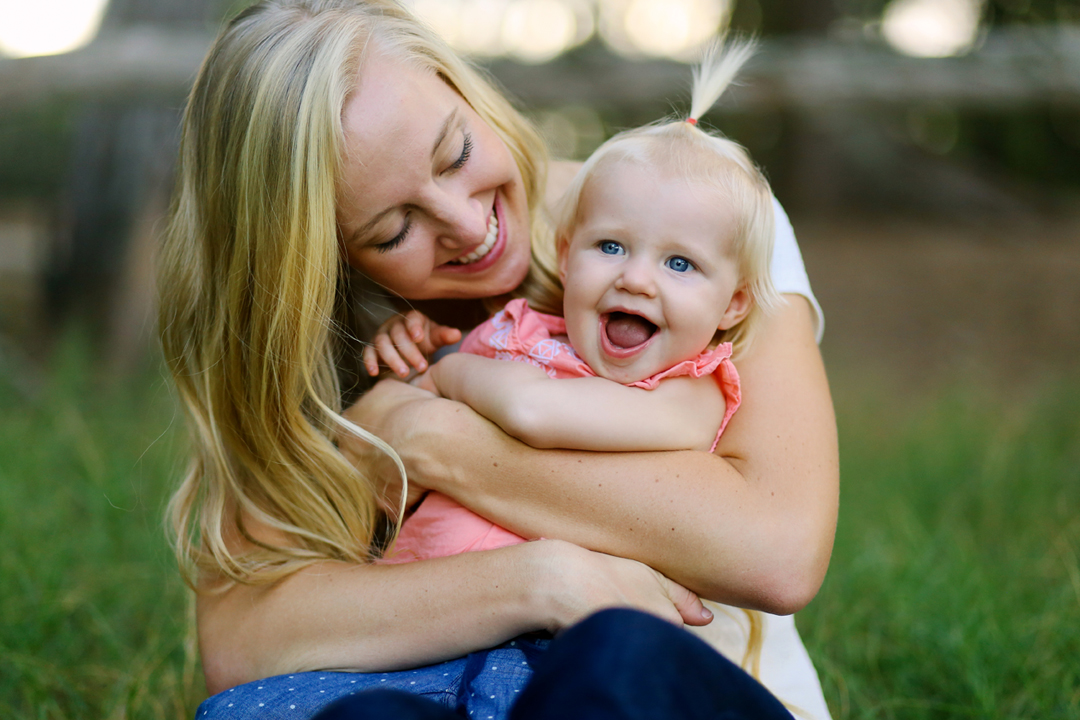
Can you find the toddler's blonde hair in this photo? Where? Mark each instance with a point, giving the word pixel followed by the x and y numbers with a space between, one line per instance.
pixel 683 149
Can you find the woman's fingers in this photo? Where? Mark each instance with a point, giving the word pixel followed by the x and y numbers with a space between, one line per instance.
pixel 584 582
pixel 686 603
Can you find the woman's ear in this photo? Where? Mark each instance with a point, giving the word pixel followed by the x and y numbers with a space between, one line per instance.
pixel 737 309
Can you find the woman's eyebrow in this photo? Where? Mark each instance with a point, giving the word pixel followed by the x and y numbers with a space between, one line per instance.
pixel 447 125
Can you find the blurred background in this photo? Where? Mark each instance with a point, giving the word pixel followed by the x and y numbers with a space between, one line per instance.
pixel 928 153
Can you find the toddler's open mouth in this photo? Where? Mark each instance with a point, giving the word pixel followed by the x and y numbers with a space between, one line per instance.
pixel 626 332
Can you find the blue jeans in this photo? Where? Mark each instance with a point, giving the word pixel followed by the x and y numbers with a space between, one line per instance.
pixel 615 665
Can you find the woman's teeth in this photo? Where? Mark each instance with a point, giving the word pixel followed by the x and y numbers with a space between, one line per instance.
pixel 485 247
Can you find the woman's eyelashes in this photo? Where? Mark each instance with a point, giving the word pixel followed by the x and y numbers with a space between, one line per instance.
pixel 397 239
pixel 466 151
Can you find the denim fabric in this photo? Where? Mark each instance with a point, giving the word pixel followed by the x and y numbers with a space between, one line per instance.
pixel 616 665
pixel 481 686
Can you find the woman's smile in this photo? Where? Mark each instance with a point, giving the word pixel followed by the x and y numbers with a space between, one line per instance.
pixel 484 255
pixel 431 203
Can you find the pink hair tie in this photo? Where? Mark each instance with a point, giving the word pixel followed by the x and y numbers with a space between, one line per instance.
pixel 692 121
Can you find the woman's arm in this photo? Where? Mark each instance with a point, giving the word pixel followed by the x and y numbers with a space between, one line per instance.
pixel 584 413
pixel 751 525
pixel 388 617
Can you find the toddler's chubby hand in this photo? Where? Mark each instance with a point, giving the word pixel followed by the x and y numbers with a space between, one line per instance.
pixel 407 340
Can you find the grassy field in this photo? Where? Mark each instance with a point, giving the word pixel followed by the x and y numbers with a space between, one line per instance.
pixel 954 589
pixel 95 620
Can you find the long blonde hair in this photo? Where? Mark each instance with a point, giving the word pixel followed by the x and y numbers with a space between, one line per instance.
pixel 254 293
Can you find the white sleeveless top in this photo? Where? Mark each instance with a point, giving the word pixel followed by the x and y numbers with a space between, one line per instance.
pixel 785 667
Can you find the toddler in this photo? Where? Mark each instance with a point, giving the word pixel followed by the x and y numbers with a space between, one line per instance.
pixel 664 240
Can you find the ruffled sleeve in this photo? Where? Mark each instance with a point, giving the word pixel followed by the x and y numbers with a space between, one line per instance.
pixel 716 362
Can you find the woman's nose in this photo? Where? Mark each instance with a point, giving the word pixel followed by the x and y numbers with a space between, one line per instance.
pixel 637 277
pixel 463 222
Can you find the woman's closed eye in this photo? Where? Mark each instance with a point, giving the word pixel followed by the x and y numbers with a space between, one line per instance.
pixel 466 152
pixel 397 239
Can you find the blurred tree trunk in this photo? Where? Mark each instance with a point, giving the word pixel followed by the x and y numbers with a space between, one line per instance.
pixel 115 197
pixel 798 17
pixel 810 171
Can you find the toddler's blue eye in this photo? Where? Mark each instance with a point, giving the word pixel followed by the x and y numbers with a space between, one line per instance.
pixel 610 247
pixel 679 264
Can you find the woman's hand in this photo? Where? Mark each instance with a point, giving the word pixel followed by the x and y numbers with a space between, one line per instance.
pixel 393 410
pixel 577 583
pixel 380 618
pixel 405 340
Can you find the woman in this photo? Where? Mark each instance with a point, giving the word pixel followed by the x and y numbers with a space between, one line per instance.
pixel 321 132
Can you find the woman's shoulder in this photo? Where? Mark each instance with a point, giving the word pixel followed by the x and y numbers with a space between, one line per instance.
pixel 560 173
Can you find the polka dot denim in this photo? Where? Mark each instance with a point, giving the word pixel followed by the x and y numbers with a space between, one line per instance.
pixel 480 686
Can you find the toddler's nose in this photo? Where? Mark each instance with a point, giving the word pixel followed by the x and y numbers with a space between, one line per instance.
pixel 637 277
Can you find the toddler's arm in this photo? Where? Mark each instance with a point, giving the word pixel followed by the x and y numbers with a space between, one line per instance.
pixel 591 413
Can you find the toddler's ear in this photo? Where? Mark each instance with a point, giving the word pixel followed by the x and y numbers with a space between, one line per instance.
pixel 737 309
pixel 562 248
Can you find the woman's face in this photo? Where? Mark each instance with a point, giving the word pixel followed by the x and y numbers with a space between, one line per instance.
pixel 431 203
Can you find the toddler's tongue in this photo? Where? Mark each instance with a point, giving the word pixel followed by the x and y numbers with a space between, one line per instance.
pixel 626 331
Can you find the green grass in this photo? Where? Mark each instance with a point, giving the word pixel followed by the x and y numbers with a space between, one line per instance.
pixel 954 589
pixel 94 617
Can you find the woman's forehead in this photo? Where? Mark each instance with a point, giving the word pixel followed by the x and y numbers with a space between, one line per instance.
pixel 392 125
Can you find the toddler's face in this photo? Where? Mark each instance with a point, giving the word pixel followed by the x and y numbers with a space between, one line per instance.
pixel 648 272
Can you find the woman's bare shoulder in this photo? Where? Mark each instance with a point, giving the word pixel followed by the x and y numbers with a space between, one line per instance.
pixel 560 173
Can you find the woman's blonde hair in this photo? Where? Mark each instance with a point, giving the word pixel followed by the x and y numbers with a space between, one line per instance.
pixel 682 149
pixel 255 298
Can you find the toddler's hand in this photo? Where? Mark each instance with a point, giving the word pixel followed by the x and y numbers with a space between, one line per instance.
pixel 406 340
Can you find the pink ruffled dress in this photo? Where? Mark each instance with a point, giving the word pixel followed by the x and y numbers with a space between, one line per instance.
pixel 440 526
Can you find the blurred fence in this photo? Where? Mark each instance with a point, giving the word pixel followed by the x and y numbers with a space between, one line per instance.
pixel 1011 67
pixel 127 88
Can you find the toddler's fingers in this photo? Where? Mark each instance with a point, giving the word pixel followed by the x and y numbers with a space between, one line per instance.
pixel 448 335
pixel 389 355
pixel 371 360
pixel 406 346
pixel 414 322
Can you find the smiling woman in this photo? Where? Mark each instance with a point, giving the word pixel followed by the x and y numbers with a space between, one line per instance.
pixel 453 220
pixel 331 141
